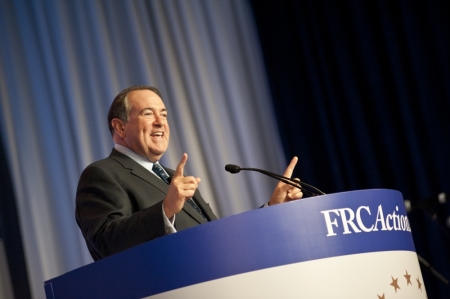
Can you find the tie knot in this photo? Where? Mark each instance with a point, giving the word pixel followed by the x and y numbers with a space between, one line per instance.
pixel 159 171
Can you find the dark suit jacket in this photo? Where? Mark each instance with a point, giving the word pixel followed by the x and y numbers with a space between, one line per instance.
pixel 119 205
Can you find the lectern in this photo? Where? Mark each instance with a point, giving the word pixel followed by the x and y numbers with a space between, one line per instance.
pixel 354 244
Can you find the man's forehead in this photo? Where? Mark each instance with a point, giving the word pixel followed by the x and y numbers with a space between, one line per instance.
pixel 145 98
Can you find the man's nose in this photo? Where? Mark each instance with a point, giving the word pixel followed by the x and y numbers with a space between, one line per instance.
pixel 159 119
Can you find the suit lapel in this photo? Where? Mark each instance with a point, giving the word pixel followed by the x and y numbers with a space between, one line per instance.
pixel 206 209
pixel 139 171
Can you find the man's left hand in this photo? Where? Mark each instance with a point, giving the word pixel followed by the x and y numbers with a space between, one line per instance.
pixel 285 192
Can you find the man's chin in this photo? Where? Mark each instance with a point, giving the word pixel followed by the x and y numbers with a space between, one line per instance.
pixel 157 154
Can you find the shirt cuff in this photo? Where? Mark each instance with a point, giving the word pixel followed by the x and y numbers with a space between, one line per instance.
pixel 168 225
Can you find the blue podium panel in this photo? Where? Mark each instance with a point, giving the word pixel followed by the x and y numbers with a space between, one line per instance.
pixel 355 244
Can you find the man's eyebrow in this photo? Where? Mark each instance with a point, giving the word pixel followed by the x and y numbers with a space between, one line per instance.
pixel 152 109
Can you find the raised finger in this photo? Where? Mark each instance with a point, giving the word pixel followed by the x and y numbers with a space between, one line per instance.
pixel 179 171
pixel 290 169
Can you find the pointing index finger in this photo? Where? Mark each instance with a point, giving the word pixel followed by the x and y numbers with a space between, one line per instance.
pixel 290 169
pixel 179 171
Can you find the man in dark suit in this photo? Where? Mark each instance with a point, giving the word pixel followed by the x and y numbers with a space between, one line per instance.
pixel 127 199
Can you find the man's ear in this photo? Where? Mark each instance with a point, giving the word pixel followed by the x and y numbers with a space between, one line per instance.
pixel 118 126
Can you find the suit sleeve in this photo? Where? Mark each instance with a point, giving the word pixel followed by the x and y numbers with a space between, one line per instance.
pixel 109 215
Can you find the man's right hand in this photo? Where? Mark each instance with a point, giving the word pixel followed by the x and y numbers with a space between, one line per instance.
pixel 181 188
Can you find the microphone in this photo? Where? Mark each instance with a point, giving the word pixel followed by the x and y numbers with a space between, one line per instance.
pixel 232 168
pixel 426 204
pixel 296 183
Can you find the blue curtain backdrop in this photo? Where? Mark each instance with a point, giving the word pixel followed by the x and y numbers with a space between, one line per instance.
pixel 361 91
pixel 62 63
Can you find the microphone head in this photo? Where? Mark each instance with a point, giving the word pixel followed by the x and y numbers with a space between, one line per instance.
pixel 232 168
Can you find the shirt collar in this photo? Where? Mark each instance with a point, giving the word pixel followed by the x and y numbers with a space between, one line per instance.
pixel 138 158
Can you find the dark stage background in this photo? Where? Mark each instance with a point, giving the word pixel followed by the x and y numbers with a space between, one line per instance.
pixel 361 90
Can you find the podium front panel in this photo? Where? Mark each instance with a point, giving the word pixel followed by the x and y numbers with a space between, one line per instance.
pixel 354 244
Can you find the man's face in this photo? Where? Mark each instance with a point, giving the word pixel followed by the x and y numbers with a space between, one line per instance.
pixel 147 131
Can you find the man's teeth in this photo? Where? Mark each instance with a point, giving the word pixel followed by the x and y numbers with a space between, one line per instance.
pixel 159 134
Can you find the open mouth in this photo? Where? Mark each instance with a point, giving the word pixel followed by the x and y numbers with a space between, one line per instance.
pixel 158 134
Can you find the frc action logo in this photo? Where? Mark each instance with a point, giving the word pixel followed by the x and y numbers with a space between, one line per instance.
pixel 362 220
